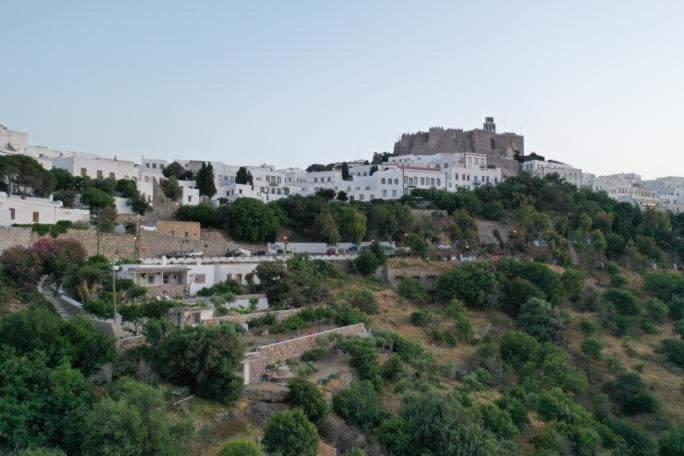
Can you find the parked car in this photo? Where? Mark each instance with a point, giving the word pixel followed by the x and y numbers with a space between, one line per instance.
pixel 187 254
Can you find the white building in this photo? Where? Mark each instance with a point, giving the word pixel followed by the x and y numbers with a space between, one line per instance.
pixel 670 191
pixel 15 210
pixel 627 187
pixel 541 168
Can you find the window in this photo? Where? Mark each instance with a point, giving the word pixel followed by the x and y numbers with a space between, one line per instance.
pixel 147 178
pixel 446 165
pixel 154 165
pixel 382 181
pixel 99 174
pixel 84 172
pixel 187 234
pixel 111 176
pixel 13 213
pixel 36 217
pixel 396 181
pixel 147 165
pixel 165 278
pixel 200 278
pixel 189 198
pixel 439 182
pixel 394 193
pixel 492 143
pixel 384 193
pixel 367 187
pixel 150 279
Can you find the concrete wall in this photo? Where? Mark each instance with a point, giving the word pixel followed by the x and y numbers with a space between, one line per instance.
pixel 256 362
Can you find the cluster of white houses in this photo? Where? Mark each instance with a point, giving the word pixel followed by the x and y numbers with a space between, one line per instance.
pixel 388 180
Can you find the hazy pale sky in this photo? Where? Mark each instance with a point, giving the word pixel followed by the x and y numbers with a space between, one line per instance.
pixel 599 85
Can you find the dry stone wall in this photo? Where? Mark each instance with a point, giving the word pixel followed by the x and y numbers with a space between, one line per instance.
pixel 257 361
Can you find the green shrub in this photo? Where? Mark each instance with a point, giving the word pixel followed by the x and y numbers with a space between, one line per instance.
pixel 241 448
pixel 588 327
pixel 366 263
pixel 393 368
pixel 421 317
pixel 445 336
pixel 673 349
pixel 623 301
pixel 618 281
pixel 592 346
pixel 671 442
pixel 305 395
pixel 364 358
pixel 363 300
pixel 678 328
pixel 656 310
pixel 518 348
pixel 290 433
pixel 498 421
pixel 541 320
pixel 359 404
pixel 411 288
pixel 631 395
pixel 314 355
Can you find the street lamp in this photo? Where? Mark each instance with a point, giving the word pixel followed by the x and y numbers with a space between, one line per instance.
pixel 115 269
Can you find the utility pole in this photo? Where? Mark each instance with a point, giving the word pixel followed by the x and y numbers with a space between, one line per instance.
pixel 99 213
pixel 114 269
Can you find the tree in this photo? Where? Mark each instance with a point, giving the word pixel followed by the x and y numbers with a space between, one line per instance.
pixel 26 174
pixel 171 188
pixel 250 220
pixel 342 196
pixel 411 288
pixel 176 170
pixel 327 194
pixel 290 433
pixel 205 180
pixel 305 395
pixel 96 198
pixel 241 448
pixel 366 263
pixel 205 358
pixel 541 320
pixel 327 227
pixel 432 424
pixel 473 283
pixel 40 405
pixel 351 223
pixel 131 420
pixel 345 172
pixel 244 177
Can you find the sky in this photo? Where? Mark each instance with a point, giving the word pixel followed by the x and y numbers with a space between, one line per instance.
pixel 599 85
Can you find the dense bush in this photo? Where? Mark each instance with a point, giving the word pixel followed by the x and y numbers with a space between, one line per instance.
pixel 241 448
pixel 411 288
pixel 540 319
pixel 366 263
pixel 290 433
pixel 592 346
pixel 631 395
pixel 205 358
pixel 673 349
pixel 364 358
pixel 433 424
pixel 421 317
pixel 363 300
pixel 671 442
pixel 360 405
pixel 305 395
pixel 473 283
pixel 622 301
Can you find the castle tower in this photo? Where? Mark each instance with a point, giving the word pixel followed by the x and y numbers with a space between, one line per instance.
pixel 489 124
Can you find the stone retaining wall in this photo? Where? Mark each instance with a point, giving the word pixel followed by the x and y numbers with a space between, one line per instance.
pixel 245 318
pixel 255 363
pixel 114 246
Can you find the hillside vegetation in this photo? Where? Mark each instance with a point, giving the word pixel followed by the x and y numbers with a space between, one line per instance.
pixel 560 332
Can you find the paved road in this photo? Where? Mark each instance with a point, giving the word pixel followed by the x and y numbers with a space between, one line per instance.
pixel 64 311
